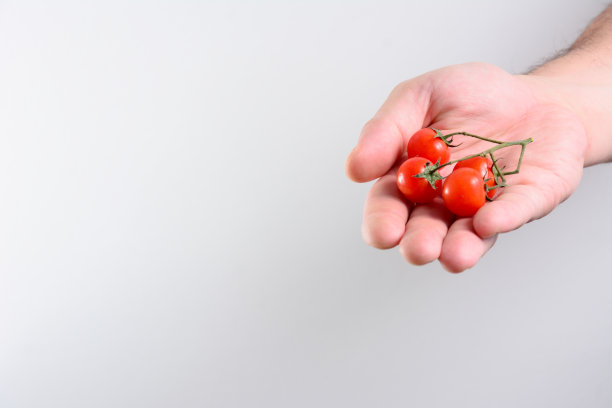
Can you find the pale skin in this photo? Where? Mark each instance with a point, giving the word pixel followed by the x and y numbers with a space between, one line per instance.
pixel 564 105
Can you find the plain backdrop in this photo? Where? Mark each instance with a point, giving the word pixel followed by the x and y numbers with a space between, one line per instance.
pixel 176 229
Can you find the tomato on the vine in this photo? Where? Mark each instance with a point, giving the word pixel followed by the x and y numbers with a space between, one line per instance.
pixel 483 166
pixel 424 143
pixel 416 189
pixel 464 191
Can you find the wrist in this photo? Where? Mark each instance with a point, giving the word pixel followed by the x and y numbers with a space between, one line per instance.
pixel 584 86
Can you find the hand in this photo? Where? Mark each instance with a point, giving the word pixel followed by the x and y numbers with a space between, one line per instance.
pixel 480 99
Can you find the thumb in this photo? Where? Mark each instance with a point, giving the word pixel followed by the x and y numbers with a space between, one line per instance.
pixel 384 137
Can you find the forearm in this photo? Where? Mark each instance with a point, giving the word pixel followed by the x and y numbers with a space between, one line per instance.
pixel 582 80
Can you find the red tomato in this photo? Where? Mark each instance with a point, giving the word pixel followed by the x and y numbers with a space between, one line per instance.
pixel 424 144
pixel 464 192
pixel 416 189
pixel 483 166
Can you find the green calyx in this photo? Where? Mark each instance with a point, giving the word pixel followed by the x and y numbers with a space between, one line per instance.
pixel 431 174
pixel 447 139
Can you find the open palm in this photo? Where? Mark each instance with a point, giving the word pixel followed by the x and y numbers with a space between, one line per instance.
pixel 480 99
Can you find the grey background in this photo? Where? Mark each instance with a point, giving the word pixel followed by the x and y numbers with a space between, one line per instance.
pixel 176 229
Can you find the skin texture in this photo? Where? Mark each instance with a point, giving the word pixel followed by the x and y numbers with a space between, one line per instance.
pixel 481 99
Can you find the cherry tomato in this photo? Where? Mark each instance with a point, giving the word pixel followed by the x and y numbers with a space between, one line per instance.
pixel 483 166
pixel 424 144
pixel 416 189
pixel 464 192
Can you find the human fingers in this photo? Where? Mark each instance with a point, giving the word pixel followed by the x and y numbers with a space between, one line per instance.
pixel 383 138
pixel 514 207
pixel 462 248
pixel 385 214
pixel 425 231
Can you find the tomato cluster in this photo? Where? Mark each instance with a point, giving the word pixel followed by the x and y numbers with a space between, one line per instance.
pixel 464 191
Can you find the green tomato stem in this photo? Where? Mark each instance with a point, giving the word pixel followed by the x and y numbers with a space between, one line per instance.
pixel 518 165
pixel 475 136
pixel 431 173
pixel 496 170
pixel 523 143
